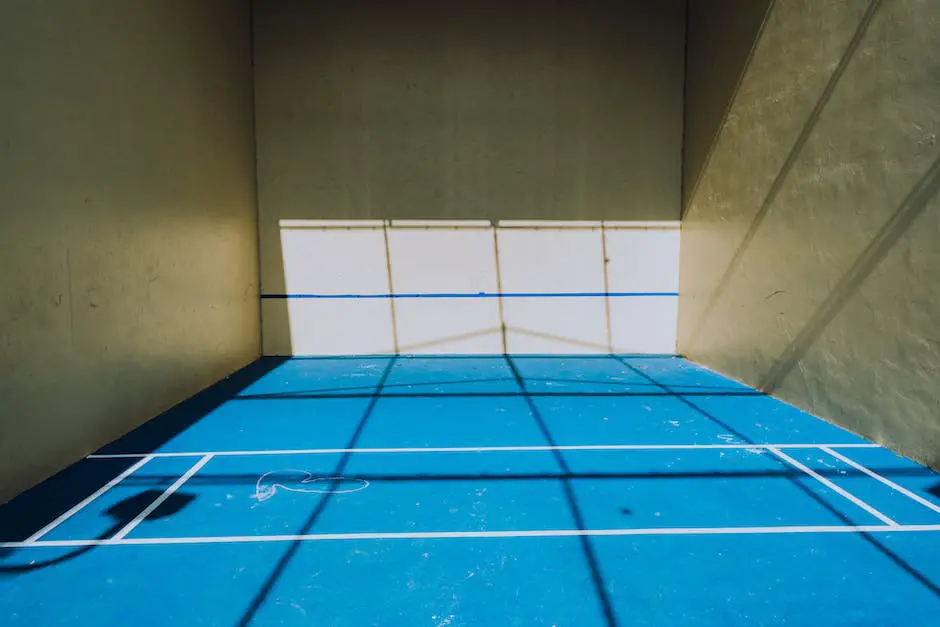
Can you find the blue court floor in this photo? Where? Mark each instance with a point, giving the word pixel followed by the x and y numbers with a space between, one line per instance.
pixel 446 491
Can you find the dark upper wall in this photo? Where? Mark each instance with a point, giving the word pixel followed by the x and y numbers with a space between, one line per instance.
pixel 510 109
pixel 129 237
pixel 719 37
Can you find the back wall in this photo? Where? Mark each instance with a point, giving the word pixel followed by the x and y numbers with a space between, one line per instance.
pixel 476 177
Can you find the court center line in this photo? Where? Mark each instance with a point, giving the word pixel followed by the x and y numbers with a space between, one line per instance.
pixel 832 486
pixel 887 482
pixel 485 449
pixel 68 514
pixel 160 499
pixel 443 535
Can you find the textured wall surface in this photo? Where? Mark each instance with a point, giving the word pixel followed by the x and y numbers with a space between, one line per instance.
pixel 720 35
pixel 420 110
pixel 128 239
pixel 810 250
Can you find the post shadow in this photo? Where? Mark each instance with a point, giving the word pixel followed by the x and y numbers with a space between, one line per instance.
pixel 336 478
pixel 600 588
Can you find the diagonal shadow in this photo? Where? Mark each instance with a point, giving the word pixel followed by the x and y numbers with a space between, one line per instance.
pixel 159 430
pixel 560 338
pixel 341 465
pixel 597 578
pixel 624 394
pixel 787 166
pixel 790 472
pixel 361 389
pixel 897 225
pixel 456 337
pixel 898 561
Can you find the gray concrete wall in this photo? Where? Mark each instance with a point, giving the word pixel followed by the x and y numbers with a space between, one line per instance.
pixel 720 35
pixel 492 110
pixel 810 251
pixel 128 240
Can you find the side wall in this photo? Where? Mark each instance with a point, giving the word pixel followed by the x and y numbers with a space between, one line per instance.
pixel 812 246
pixel 720 35
pixel 129 237
pixel 393 136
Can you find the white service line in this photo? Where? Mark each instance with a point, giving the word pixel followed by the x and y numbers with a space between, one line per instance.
pixel 887 482
pixel 160 499
pixel 61 519
pixel 440 535
pixel 829 484
pixel 488 449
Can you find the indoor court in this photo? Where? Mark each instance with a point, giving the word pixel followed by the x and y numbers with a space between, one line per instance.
pixel 403 313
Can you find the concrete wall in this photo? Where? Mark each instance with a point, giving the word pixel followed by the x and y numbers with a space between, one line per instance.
pixel 720 35
pixel 812 246
pixel 128 238
pixel 453 113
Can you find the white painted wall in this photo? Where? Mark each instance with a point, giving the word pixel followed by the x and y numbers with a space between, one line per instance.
pixel 559 294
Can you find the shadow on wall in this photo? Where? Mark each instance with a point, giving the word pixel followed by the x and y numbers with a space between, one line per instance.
pixel 472 287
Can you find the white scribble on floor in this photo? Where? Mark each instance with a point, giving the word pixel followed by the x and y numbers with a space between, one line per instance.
pixel 307 484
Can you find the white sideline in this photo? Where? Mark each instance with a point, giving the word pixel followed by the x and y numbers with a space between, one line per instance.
pixel 61 519
pixel 887 482
pixel 486 449
pixel 829 484
pixel 160 499
pixel 434 535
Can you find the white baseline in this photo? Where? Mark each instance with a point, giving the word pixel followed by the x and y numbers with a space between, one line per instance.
pixel 486 449
pixel 434 535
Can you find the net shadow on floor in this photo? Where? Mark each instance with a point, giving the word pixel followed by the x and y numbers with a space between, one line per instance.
pixel 258 601
pixel 122 513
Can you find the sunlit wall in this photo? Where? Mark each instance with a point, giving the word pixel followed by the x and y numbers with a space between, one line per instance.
pixel 377 287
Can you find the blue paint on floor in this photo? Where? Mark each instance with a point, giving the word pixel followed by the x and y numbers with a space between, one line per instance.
pixel 576 490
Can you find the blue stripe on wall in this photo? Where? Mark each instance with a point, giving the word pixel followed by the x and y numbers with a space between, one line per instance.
pixel 477 295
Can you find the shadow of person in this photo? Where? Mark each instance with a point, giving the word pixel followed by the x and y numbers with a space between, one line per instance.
pixel 123 513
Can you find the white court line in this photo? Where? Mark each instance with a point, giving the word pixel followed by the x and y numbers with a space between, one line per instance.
pixel 887 482
pixel 829 484
pixel 160 499
pixel 61 519
pixel 439 535
pixel 488 449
